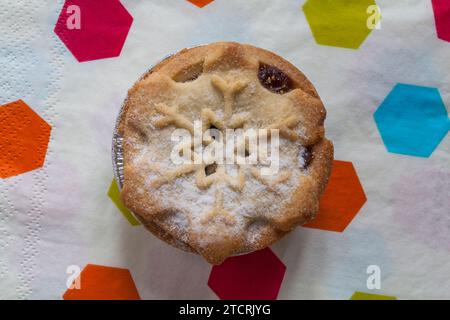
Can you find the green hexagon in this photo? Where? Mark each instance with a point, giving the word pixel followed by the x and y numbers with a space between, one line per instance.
pixel 114 194
pixel 341 23
pixel 370 296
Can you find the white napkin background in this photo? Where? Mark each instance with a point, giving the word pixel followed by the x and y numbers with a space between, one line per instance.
pixel 60 215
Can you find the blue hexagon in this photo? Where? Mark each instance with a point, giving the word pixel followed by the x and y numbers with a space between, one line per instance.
pixel 412 120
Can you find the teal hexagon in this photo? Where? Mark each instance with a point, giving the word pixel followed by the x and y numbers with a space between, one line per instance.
pixel 412 120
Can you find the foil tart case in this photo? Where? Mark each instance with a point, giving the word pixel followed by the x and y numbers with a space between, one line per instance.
pixel 117 141
pixel 118 158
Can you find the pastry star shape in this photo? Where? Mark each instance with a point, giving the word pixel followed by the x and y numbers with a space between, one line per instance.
pixel 229 90
pixel 172 116
pixel 218 211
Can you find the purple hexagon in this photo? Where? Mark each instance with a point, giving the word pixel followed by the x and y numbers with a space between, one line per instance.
pixel 257 275
pixel 441 10
pixel 93 30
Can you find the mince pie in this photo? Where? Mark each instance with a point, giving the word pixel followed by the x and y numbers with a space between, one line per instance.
pixel 220 209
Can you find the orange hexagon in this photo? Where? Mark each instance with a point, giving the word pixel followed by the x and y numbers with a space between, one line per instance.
pixel 200 3
pixel 24 137
pixel 103 283
pixel 342 199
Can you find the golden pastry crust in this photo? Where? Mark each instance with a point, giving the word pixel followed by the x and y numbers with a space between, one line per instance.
pixel 235 209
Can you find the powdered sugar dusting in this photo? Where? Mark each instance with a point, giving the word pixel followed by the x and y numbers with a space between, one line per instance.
pixel 191 204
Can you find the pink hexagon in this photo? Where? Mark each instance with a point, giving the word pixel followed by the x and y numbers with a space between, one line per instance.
pixel 441 10
pixel 257 275
pixel 93 30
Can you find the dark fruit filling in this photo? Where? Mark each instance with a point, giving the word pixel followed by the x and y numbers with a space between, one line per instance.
pixel 210 169
pixel 307 156
pixel 274 79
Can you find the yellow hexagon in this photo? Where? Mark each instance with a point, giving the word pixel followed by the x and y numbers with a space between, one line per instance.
pixel 370 296
pixel 342 23
pixel 114 194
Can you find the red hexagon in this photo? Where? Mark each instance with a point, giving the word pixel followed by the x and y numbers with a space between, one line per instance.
pixel 342 199
pixel 200 3
pixel 257 275
pixel 441 10
pixel 93 29
pixel 24 139
pixel 103 283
